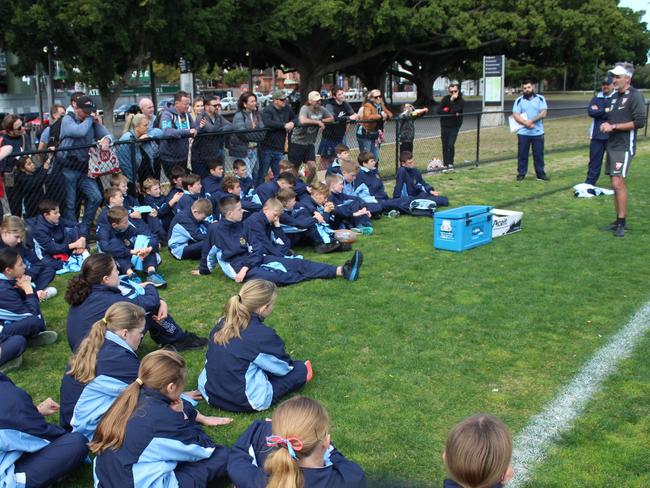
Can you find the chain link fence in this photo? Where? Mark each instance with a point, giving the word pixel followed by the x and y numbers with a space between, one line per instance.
pixel 483 137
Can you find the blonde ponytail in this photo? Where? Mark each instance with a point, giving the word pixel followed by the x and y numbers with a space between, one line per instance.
pixel 157 370
pixel 299 425
pixel 239 308
pixel 120 315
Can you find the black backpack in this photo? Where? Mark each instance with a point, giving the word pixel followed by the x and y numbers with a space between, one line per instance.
pixel 55 132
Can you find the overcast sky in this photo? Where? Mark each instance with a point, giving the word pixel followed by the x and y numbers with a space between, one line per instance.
pixel 638 5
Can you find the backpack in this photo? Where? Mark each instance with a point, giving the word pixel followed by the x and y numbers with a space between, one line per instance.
pixel 55 132
pixel 421 207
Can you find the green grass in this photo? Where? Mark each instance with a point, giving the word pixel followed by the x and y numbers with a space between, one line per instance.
pixel 428 337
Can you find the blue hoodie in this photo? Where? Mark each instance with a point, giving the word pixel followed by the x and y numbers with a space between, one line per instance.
pixel 176 131
pixel 51 239
pixel 265 238
pixel 227 247
pixel 184 230
pixel 249 453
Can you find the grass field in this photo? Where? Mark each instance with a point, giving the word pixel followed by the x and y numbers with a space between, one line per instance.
pixel 428 337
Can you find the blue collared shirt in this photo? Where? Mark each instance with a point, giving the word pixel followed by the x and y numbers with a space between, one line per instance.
pixel 531 107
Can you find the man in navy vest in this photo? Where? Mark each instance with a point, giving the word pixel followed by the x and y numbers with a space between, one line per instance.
pixel 598 110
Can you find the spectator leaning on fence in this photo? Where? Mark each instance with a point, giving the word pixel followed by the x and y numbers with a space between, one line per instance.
pixel 451 108
pixel 244 145
pixel 312 117
pixel 372 117
pixel 148 109
pixel 334 134
pixel 627 114
pixel 279 119
pixel 146 164
pixel 84 128
pixel 177 126
pixel 208 145
pixel 529 110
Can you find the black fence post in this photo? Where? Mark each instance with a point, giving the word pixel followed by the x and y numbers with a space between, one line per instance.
pixel 478 138
pixel 397 124
pixel 134 164
pixel 645 128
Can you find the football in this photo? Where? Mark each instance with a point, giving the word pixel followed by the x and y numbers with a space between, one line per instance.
pixel 346 236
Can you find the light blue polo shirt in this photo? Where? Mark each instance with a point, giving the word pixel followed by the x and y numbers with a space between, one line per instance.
pixel 531 108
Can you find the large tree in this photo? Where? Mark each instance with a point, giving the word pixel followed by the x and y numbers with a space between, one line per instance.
pixel 103 43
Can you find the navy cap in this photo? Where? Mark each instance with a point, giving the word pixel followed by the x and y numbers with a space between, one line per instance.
pixel 607 80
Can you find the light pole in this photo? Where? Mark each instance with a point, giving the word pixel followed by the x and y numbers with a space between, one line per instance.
pixel 50 82
pixel 250 70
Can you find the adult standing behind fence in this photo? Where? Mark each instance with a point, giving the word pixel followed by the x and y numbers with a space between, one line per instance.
pixel 245 145
pixel 598 110
pixel 16 137
pixel 146 163
pixel 177 126
pixel 529 110
pixel 370 131
pixel 83 128
pixel 627 114
pixel 312 118
pixel 279 119
pixel 334 134
pixel 451 108
pixel 148 110
pixel 208 145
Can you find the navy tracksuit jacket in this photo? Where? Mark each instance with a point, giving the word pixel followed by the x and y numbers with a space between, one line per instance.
pixel 344 208
pixel 186 235
pixel 409 183
pixel 211 184
pixel 267 190
pixel 249 453
pixel 33 451
pixel 250 372
pixel 20 314
pixel 227 246
pixel 115 360
pixel 119 243
pixel 41 274
pixel 82 317
pixel 52 239
pixel 161 204
pixel 161 448
pixel 371 179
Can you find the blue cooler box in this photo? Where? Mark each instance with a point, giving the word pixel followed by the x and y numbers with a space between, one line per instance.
pixel 458 229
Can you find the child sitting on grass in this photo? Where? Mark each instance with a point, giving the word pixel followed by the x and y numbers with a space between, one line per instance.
pixel 246 365
pixel 20 310
pixel 212 182
pixel 293 449
pixel 188 230
pixel 409 182
pixel 241 172
pixel 163 204
pixel 342 154
pixel 368 180
pixel 30 182
pixel 477 453
pixel 349 211
pixel 132 246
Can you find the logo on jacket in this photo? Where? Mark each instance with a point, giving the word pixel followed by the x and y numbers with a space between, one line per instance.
pixel 242 241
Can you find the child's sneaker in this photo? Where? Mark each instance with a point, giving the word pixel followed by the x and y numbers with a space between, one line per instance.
pixel 12 364
pixel 50 292
pixel 157 280
pixel 134 278
pixel 366 230
pixel 190 341
pixel 44 338
pixel 351 268
pixel 323 248
pixel 393 214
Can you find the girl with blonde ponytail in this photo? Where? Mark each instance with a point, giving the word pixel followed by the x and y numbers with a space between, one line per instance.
pixel 149 436
pixel 104 364
pixel 292 451
pixel 247 367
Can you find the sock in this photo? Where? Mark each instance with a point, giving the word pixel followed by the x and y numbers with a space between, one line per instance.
pixel 620 221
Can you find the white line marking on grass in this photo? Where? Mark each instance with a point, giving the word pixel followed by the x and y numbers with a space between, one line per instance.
pixel 531 444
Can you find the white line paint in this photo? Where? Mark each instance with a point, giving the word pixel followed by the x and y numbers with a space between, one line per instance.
pixel 531 445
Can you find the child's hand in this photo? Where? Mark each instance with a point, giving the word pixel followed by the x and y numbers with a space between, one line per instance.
pixel 239 277
pixel 25 284
pixel 176 198
pixel 135 215
pixel 194 395
pixel 434 193
pixel 319 217
pixel 162 312
pixel 47 407
pixel 154 212
pixel 46 164
pixel 196 272
pixel 212 421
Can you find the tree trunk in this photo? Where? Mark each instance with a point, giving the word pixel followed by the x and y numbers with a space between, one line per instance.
pixel 108 101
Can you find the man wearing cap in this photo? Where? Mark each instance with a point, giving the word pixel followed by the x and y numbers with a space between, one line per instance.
pixel 83 128
pixel 598 110
pixel 279 119
pixel 529 110
pixel 312 118
pixel 208 144
pixel 626 115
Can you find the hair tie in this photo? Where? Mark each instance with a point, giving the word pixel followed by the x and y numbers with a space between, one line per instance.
pixel 139 381
pixel 292 444
pixel 104 320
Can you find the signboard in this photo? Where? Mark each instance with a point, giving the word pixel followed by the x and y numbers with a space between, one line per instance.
pixel 493 79
pixel 184 65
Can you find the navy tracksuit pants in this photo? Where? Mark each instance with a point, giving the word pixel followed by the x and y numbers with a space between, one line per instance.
pixel 297 270
pixel 596 153
pixel 11 347
pixel 202 473
pixel 167 332
pixel 524 143
pixel 42 468
pixel 26 327
pixel 193 251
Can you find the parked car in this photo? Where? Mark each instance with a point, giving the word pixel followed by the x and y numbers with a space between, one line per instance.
pixel 354 94
pixel 163 103
pixel 120 112
pixel 263 100
pixel 228 103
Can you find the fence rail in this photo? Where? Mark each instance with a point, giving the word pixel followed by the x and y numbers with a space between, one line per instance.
pixel 483 137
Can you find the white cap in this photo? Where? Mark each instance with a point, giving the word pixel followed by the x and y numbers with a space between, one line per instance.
pixel 620 70
pixel 314 96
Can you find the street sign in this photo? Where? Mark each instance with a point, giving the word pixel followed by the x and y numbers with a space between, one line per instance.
pixel 493 79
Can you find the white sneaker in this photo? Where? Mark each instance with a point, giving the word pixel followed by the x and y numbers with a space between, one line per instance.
pixel 49 292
